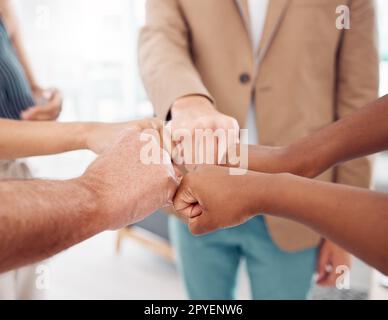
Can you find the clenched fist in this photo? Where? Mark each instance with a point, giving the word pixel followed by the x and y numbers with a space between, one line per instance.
pixel 194 118
pixel 211 199
pixel 126 188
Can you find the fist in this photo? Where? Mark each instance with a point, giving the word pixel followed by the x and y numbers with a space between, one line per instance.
pixel 129 189
pixel 210 198
pixel 193 118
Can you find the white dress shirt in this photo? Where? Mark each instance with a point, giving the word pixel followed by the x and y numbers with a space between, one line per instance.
pixel 257 15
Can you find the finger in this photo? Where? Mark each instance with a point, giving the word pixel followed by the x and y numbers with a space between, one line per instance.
pixel 325 275
pixel 178 172
pixel 220 152
pixel 41 112
pixel 204 147
pixel 322 278
pixel 56 96
pixel 55 106
pixel 55 103
pixel 199 225
pixel 27 114
pixel 190 211
pixel 185 202
pixel 331 268
pixel 196 210
pixel 175 154
pixel 235 132
pixel 32 113
pixel 38 115
pixel 331 278
pixel 323 261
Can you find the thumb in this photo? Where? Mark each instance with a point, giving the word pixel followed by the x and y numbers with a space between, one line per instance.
pixel 322 266
pixel 31 112
pixel 185 202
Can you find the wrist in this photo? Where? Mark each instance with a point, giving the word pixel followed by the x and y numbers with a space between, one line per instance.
pixel 296 159
pixel 262 187
pixel 307 160
pixel 89 207
pixel 82 134
pixel 194 104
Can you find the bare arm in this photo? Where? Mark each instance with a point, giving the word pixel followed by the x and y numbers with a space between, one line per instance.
pixel 41 218
pixel 9 16
pixel 357 81
pixel 32 138
pixel 355 218
pixel 21 139
pixel 362 133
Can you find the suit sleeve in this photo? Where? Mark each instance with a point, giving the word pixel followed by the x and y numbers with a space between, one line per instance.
pixel 358 78
pixel 165 60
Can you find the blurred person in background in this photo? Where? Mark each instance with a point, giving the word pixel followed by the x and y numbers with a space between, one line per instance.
pixel 282 69
pixel 21 98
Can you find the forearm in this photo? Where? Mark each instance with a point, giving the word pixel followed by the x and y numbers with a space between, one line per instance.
pixel 25 138
pixel 362 133
pixel 357 82
pixel 41 218
pixel 12 23
pixel 354 218
pixel 165 56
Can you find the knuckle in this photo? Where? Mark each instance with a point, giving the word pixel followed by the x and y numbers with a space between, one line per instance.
pixel 194 228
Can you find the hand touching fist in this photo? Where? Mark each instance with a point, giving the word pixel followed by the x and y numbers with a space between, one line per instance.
pixel 127 189
pixel 212 199
pixel 193 113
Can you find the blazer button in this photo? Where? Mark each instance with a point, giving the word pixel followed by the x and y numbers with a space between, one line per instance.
pixel 245 78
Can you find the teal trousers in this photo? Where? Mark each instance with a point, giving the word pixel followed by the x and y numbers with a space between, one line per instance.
pixel 209 263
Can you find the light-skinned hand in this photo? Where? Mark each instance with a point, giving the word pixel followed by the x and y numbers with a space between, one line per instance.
pixel 330 258
pixel 191 113
pixel 48 106
pixel 127 189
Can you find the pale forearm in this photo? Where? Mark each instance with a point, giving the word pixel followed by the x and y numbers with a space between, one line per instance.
pixel 354 218
pixel 13 29
pixel 41 218
pixel 22 139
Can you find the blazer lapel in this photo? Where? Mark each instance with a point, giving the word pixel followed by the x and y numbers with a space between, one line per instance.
pixel 275 13
pixel 243 8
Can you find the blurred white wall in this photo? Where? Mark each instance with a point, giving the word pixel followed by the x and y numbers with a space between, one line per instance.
pixel 88 49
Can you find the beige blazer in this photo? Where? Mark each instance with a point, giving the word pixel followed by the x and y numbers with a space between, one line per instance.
pixel 310 72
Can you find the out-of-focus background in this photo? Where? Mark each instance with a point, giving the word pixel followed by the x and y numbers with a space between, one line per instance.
pixel 87 48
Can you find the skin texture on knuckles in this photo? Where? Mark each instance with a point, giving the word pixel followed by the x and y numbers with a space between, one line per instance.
pixel 197 113
pixel 133 190
pixel 207 198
